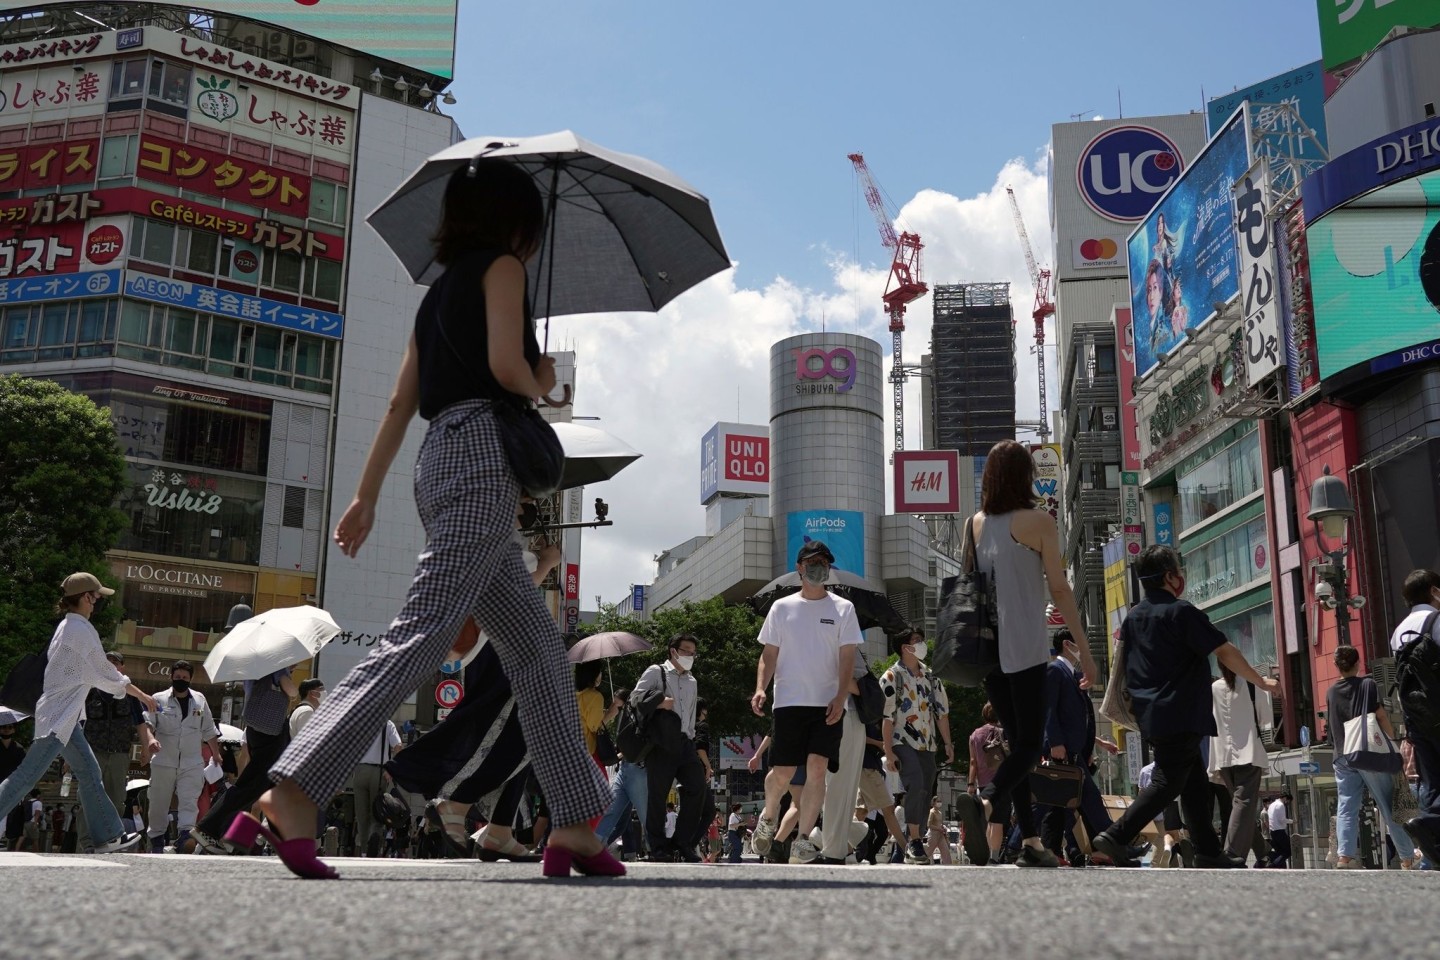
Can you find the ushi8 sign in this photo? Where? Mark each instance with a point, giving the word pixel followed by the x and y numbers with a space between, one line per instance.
pixel 927 481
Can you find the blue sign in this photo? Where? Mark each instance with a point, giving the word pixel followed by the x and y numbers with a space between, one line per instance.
pixel 130 39
pixel 710 464
pixel 1164 525
pixel 1124 170
pixel 1183 258
pixel 1309 767
pixel 637 598
pixel 1303 86
pixel 842 530
pixel 60 286
pixel 197 296
pixel 1395 156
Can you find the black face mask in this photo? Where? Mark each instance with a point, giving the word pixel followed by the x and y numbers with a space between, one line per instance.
pixel 180 686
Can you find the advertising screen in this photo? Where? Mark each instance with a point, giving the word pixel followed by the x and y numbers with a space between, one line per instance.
pixel 1349 29
pixel 1303 86
pixel 418 33
pixel 1183 255
pixel 1375 276
pixel 842 530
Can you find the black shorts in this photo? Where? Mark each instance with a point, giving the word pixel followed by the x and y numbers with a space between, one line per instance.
pixel 801 732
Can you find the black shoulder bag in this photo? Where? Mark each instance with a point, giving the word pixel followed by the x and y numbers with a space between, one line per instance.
pixel 967 643
pixel 531 446
pixel 870 701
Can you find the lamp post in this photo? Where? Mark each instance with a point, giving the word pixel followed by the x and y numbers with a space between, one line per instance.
pixel 1331 511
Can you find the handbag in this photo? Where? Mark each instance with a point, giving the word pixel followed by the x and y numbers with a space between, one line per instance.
pixel 1367 748
pixel 605 750
pixel 870 701
pixel 25 683
pixel 388 807
pixel 967 641
pixel 1056 784
pixel 1118 707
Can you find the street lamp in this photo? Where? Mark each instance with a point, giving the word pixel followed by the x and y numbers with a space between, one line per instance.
pixel 1331 511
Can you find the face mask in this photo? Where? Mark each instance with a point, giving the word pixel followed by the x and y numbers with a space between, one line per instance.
pixel 319 697
pixel 685 663
pixel 920 649
pixel 99 605
pixel 816 573
pixel 180 686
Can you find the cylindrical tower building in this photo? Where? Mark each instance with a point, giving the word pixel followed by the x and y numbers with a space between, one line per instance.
pixel 827 436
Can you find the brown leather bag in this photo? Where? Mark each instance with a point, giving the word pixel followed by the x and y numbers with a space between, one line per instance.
pixel 1056 784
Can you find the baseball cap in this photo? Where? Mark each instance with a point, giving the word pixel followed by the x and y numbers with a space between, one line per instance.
pixel 815 548
pixel 78 583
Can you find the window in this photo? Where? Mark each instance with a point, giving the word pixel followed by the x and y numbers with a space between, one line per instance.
pixel 224 344
pixel 328 201
pixel 281 270
pixel 153 240
pixel 1221 481
pixel 57 332
pixel 161 522
pixel 22 326
pixel 322 280
pixel 127 79
pixel 199 252
pixel 293 514
pixel 1253 631
pixel 1105 361
pixel 185 336
pixel 117 156
pixel 170 82
pixel 1228 562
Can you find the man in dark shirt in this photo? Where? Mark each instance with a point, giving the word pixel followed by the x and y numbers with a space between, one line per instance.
pixel 110 729
pixel 1167 644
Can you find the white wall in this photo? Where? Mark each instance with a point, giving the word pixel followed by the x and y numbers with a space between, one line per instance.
pixel 364 593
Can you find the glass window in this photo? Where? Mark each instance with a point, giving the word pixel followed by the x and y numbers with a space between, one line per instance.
pixel 324 280
pixel 170 82
pixel 200 251
pixel 1253 631
pixel 127 79
pixel 181 512
pixel 286 271
pixel 293 512
pixel 328 201
pixel 158 245
pixel 135 323
pixel 18 330
pixel 200 435
pixel 1225 479
pixel 97 320
pixel 1228 562
pixel 309 357
pixel 117 157
pixel 1105 361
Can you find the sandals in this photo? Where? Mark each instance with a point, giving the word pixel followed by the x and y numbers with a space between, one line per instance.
pixel 297 854
pixel 452 829
pixel 511 850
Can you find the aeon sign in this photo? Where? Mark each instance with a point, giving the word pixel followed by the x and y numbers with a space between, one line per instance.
pixel 817 364
pixel 1124 170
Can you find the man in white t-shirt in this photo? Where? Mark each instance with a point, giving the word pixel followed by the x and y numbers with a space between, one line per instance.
pixel 312 693
pixel 367 783
pixel 1278 819
pixel 735 827
pixel 809 641
pixel 1422 591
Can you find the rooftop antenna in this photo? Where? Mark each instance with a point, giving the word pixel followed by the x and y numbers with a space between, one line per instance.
pixel 1077 117
pixel 1119 104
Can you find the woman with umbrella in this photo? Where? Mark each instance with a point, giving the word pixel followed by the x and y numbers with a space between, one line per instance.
pixel 474 346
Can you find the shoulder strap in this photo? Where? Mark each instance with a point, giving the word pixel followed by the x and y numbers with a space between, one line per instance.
pixel 968 559
pixel 1255 708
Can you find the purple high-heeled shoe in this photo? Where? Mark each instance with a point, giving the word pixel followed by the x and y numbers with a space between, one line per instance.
pixel 297 854
pixel 558 862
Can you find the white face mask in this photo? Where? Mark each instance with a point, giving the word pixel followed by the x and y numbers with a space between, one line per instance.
pixel 319 696
pixel 685 662
pixel 920 649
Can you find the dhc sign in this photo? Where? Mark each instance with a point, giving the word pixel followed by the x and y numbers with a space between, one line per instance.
pixel 1123 171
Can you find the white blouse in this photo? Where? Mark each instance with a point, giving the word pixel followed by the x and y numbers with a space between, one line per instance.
pixel 77 663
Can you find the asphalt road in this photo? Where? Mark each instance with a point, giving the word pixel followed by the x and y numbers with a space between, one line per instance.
pixel 177 907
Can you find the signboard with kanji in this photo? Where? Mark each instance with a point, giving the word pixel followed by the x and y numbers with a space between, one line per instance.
pixel 50 165
pixel 62 247
pixel 222 175
pixel 224 102
pixel 43 94
pixel 69 286
pixel 225 303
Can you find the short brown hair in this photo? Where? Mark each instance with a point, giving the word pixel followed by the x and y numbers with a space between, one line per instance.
pixel 1008 482
pixel 987 713
pixel 1346 657
pixel 490 204
pixel 1418 584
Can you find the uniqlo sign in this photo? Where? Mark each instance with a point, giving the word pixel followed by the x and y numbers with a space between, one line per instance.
pixel 927 481
pixel 734 459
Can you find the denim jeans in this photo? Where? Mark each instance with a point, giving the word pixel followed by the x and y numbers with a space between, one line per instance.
pixel 99 811
pixel 737 845
pixel 1352 784
pixel 629 789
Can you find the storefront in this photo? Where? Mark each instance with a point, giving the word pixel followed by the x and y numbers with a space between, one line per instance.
pixel 174 608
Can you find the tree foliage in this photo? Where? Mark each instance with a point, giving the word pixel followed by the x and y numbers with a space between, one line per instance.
pixel 60 474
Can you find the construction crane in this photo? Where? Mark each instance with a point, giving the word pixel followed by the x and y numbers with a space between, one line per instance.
pixel 1043 308
pixel 904 285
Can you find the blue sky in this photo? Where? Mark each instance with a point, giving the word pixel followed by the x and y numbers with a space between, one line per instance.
pixel 757 106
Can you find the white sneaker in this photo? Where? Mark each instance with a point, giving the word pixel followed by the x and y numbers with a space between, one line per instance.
pixel 763 837
pixel 803 851
pixel 124 843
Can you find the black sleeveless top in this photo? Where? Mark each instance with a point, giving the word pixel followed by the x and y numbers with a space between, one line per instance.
pixel 450 337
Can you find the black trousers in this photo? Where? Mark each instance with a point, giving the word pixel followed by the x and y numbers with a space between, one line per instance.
pixel 1179 772
pixel 1019 699
pixel 265 749
pixel 1280 848
pixel 684 768
pixel 1057 823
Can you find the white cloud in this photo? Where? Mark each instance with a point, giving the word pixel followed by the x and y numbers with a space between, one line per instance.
pixel 659 381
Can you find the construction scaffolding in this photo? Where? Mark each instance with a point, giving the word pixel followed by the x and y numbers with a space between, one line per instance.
pixel 972 349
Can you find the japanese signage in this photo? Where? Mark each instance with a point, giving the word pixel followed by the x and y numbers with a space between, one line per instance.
pixel 70 286
pixel 637 598
pixel 1259 275
pixel 1182 256
pixel 927 481
pixel 1047 477
pixel 175 491
pixel 734 458
pixel 1349 29
pixel 1179 405
pixel 1303 86
pixel 223 175
pixel 1130 512
pixel 1164 524
pixel 843 531
pixel 1129 420
pixel 53 51
pixel 51 93
pixel 48 165
pixel 259 112
pixel 196 296
pixel 572 596
pixel 62 248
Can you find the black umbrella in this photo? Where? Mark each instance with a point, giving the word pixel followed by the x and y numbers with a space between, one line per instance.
pixel 872 607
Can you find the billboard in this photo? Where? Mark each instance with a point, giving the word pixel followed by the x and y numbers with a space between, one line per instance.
pixel 1183 256
pixel 1259 274
pixel 1349 29
pixel 1047 477
pixel 1124 170
pixel 1129 419
pixel 419 34
pixel 735 458
pixel 1303 86
pixel 1375 278
pixel 927 481
pixel 842 530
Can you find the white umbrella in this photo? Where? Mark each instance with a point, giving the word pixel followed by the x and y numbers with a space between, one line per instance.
pixel 8 716
pixel 591 455
pixel 270 641
pixel 132 785
pixel 230 734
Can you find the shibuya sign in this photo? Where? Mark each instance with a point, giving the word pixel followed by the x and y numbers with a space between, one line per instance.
pixel 817 364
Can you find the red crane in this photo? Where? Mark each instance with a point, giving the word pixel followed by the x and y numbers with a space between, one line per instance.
pixel 903 286
pixel 1040 276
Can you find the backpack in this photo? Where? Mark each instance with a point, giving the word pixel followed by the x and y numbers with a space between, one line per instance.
pixel 632 727
pixel 25 683
pixel 1417 679
pixel 994 748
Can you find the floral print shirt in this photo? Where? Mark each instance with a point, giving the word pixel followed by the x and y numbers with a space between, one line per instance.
pixel 915 704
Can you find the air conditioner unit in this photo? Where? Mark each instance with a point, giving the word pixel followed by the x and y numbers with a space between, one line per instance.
pixel 303 49
pixel 275 44
pixel 251 41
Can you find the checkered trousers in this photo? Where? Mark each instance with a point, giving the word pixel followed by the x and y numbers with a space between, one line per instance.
pixel 467 498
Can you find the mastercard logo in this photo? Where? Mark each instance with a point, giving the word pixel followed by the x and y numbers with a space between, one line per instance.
pixel 1101 249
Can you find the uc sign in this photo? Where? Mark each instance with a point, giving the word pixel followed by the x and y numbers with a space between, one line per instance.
pixel 1124 170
